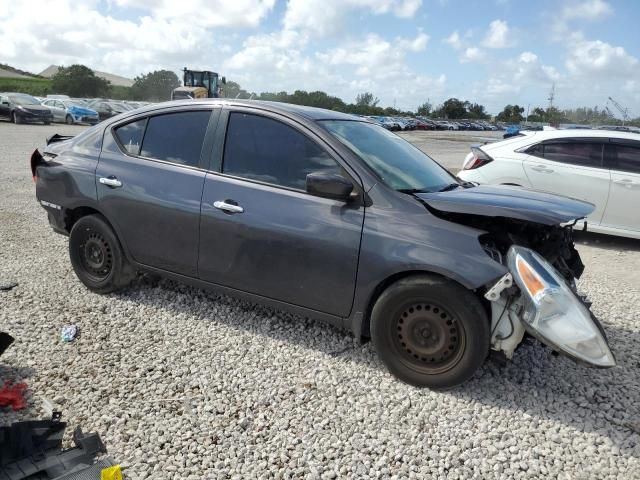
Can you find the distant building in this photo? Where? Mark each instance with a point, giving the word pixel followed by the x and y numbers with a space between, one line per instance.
pixel 116 80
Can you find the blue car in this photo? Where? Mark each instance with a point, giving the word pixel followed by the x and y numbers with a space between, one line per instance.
pixel 71 112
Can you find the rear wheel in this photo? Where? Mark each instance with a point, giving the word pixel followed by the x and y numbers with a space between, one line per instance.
pixel 430 331
pixel 97 257
pixel 15 118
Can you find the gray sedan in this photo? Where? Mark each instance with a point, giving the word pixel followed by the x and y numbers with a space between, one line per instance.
pixel 327 215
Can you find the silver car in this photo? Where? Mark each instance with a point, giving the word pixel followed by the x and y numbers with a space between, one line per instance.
pixel 70 112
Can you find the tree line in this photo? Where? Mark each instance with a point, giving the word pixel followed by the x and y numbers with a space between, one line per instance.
pixel 80 81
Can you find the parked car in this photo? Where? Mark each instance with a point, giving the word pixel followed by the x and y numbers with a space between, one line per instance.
pixel 104 108
pixel 597 166
pixel 268 201
pixel 58 97
pixel 23 108
pixel 70 112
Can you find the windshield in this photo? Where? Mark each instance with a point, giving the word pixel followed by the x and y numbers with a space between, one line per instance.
pixel 24 100
pixel 69 103
pixel 398 163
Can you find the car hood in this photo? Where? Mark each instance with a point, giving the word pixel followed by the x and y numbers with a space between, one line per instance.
pixel 36 108
pixel 82 110
pixel 511 202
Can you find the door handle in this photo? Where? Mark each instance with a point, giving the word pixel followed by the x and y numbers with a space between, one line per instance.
pixel 228 207
pixel 625 182
pixel 542 169
pixel 111 181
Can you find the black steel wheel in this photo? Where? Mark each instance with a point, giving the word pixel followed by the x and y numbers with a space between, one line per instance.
pixel 428 338
pixel 97 256
pixel 430 331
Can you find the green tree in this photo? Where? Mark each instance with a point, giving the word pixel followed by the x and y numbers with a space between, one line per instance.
pixel 537 115
pixel 155 86
pixel 511 114
pixel 79 81
pixel 477 111
pixel 424 109
pixel 454 108
pixel 367 99
pixel 234 90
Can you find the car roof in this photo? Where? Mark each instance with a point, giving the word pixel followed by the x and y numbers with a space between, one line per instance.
pixel 580 133
pixel 533 137
pixel 310 113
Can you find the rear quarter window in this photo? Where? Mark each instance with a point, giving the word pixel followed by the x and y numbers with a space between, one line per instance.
pixel 130 136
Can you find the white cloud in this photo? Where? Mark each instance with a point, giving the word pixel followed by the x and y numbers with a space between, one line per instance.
pixel 527 57
pixel 472 54
pixel 207 13
pixel 414 44
pixel 454 40
pixel 498 35
pixel 323 17
pixel 65 31
pixel 598 58
pixel 371 63
pixel 587 10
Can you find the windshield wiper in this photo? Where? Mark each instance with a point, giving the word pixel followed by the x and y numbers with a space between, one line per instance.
pixel 413 190
pixel 451 186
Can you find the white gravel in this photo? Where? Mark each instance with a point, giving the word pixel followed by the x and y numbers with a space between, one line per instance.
pixel 182 383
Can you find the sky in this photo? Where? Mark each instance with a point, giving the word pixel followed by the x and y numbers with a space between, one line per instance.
pixel 406 52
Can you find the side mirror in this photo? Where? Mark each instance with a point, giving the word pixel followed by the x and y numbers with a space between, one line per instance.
pixel 329 185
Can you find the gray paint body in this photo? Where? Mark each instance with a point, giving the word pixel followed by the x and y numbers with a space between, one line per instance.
pixel 314 256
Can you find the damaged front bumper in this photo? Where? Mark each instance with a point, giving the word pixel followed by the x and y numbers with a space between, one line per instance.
pixel 533 297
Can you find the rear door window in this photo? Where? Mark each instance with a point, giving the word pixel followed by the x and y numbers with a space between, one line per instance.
pixel 266 150
pixel 575 153
pixel 130 136
pixel 626 158
pixel 176 137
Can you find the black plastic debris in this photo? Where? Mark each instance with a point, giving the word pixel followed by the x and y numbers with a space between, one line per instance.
pixel 7 285
pixel 33 449
pixel 5 341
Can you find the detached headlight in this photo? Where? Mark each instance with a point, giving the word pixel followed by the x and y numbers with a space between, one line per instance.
pixel 553 313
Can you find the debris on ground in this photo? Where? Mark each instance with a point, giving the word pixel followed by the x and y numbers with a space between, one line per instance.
pixel 6 285
pixel 33 449
pixel 5 341
pixel 69 333
pixel 12 395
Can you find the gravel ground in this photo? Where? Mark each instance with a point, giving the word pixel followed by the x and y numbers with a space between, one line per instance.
pixel 181 383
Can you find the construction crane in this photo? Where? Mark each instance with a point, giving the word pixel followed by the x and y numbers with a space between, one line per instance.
pixel 623 111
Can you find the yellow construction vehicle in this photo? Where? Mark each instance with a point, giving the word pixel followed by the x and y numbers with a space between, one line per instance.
pixel 199 84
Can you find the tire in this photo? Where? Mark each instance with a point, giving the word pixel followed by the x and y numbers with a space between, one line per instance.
pixel 15 118
pixel 97 256
pixel 68 120
pixel 430 331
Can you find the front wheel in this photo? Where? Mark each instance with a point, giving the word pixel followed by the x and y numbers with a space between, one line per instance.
pixel 16 118
pixel 430 331
pixel 97 257
pixel 69 120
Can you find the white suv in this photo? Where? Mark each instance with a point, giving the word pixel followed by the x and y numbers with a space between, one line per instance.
pixel 599 166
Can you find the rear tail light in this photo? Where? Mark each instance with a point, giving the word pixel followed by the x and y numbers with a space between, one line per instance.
pixel 38 158
pixel 478 159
